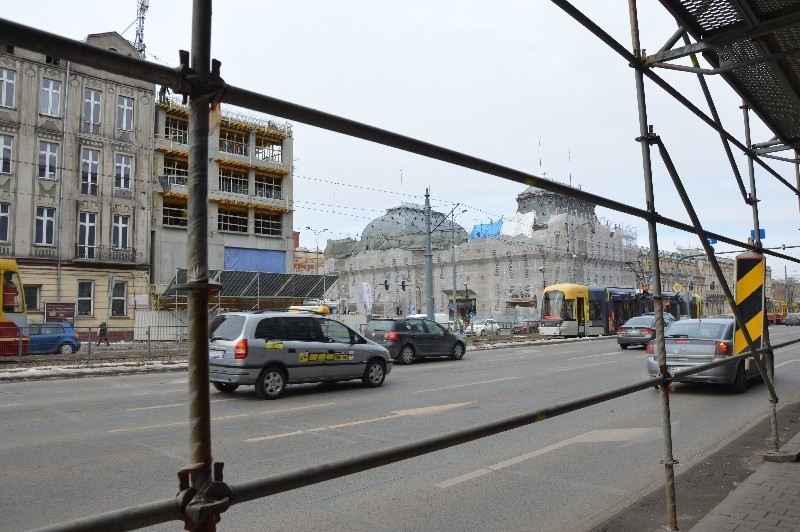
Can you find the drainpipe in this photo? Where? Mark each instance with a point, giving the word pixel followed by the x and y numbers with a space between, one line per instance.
pixel 61 185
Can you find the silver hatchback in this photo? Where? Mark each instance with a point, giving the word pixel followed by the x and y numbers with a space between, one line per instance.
pixel 272 349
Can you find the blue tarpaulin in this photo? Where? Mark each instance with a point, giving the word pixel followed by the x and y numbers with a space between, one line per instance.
pixel 255 260
pixel 486 230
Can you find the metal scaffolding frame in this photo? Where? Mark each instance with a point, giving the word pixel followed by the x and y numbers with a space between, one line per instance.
pixel 757 25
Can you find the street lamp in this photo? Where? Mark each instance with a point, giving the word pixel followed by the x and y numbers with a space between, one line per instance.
pixel 316 232
pixel 455 293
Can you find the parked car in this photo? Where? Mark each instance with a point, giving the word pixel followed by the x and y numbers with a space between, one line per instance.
pixel 640 329
pixel 48 338
pixel 793 318
pixel 726 316
pixel 408 339
pixel 483 327
pixel 525 327
pixel 269 350
pixel 700 341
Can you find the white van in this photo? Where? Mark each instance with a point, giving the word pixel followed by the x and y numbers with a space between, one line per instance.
pixel 441 319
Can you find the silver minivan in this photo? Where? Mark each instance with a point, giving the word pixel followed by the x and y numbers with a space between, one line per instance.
pixel 272 349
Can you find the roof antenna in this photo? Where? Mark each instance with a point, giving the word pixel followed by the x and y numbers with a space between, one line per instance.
pixel 141 11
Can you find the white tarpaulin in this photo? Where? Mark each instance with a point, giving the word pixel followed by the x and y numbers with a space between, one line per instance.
pixel 367 292
pixel 519 224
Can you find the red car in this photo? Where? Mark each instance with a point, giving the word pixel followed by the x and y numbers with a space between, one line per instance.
pixel 525 327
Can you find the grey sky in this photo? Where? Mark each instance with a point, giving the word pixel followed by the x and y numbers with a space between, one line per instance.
pixel 495 80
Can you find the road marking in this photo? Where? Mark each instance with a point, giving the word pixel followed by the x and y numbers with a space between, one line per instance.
pixel 220 418
pixel 175 404
pixel 595 436
pixel 424 411
pixel 586 366
pixel 9 404
pixel 787 362
pixel 462 385
pixel 593 356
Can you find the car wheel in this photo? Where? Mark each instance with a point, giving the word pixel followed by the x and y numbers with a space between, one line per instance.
pixel 483 332
pixel 271 383
pixel 225 387
pixel 458 351
pixel 623 346
pixel 66 349
pixel 374 374
pixel 739 384
pixel 406 355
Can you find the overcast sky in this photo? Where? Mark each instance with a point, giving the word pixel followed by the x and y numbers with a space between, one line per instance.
pixel 517 82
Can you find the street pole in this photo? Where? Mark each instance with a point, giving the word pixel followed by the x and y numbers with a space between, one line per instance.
pixel 455 297
pixel 428 257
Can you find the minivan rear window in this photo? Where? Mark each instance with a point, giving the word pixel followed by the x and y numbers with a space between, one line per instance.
pixel 226 327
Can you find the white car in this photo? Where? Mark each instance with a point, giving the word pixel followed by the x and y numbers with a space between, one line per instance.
pixel 484 328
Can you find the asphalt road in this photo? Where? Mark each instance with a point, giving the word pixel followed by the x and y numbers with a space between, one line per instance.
pixel 76 447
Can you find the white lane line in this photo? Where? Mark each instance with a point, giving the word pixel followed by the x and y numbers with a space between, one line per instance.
pixel 428 410
pixel 595 436
pixel 585 366
pixel 786 362
pixel 220 418
pixel 175 404
pixel 597 355
pixel 8 404
pixel 463 385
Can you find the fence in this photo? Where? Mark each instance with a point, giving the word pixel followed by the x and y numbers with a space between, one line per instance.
pixel 203 495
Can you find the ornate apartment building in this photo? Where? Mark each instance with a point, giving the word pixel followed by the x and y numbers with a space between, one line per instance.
pixel 75 167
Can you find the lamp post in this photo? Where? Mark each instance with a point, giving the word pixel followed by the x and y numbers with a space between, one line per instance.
pixel 316 232
pixel 455 292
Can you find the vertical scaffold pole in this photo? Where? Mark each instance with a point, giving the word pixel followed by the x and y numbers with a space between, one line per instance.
pixel 644 139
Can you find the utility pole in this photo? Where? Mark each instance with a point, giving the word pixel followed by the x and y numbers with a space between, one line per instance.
pixel 428 257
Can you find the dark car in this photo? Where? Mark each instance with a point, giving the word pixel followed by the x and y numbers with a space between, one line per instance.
pixel 793 318
pixel 411 338
pixel 700 341
pixel 640 330
pixel 525 327
pixel 48 338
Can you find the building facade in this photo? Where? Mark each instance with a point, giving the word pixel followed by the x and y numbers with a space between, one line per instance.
pixel 249 192
pixel 75 167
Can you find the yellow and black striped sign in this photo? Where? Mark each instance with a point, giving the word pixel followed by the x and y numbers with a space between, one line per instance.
pixel 750 277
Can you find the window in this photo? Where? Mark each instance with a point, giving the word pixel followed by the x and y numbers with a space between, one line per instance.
pixel 51 60
pixel 118 306
pixel 268 329
pixel 85 298
pixel 90 168
pixel 122 173
pixel 48 159
pixel 267 224
pixel 303 329
pixel 174 215
pixel 268 150
pixel 32 297
pixel 5 222
pixel 232 220
pixel 176 170
pixel 87 234
pixel 6 141
pixel 7 84
pixel 51 97
pixel 45 226
pixel 120 235
pixel 125 113
pixel 232 181
pixel 335 331
pixel 233 142
pixel 268 186
pixel 91 111
pixel 177 130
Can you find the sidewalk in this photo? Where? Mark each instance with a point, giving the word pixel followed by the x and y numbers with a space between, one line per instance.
pixel 768 500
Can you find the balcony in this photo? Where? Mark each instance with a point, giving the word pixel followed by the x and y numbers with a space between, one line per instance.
pixel 104 254
pixel 90 128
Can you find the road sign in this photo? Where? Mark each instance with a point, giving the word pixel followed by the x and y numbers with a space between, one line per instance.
pixel 762 234
pixel 676 287
pixel 749 296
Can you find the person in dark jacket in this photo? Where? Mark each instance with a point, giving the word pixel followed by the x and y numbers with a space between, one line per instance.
pixel 103 334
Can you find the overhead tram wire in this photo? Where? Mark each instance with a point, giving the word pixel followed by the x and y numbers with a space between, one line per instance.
pixel 40 41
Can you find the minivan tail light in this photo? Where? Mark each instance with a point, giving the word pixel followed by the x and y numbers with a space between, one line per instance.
pixel 721 350
pixel 240 351
pixel 649 348
pixel 391 336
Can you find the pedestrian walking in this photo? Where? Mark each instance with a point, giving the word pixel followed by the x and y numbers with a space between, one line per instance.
pixel 103 334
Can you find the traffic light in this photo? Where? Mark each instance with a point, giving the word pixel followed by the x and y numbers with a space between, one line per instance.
pixel 403 285
pixel 386 284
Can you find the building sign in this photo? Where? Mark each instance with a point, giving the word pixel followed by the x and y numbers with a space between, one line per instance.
pixel 60 312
